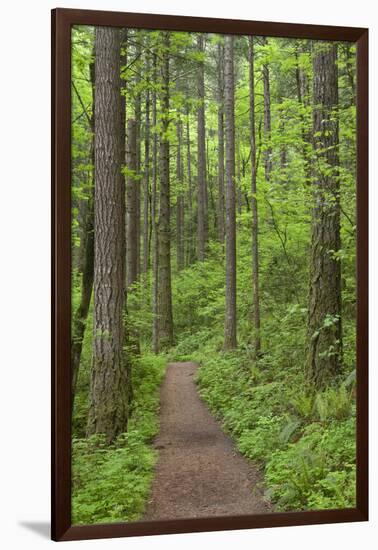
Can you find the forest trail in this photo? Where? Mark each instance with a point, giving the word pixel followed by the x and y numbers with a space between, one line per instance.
pixel 199 472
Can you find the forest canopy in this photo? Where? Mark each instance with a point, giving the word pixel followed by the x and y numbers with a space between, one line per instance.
pixel 213 220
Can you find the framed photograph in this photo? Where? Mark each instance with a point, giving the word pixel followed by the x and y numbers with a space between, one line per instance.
pixel 209 274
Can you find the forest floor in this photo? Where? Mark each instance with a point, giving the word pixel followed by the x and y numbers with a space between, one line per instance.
pixel 199 472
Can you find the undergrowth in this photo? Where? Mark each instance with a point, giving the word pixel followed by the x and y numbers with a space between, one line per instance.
pixel 111 483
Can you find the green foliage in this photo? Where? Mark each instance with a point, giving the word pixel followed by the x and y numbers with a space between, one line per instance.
pixel 334 403
pixel 304 441
pixel 111 483
pixel 318 471
pixel 260 442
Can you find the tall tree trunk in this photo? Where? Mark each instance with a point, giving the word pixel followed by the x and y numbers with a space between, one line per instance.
pixel 155 239
pixel 267 120
pixel 230 313
pixel 146 181
pixel 81 315
pixel 324 309
pixel 138 120
pixel 109 399
pixel 210 204
pixel 165 293
pixel 255 226
pixel 131 204
pixel 180 211
pixel 190 231
pixel 201 157
pixel 220 59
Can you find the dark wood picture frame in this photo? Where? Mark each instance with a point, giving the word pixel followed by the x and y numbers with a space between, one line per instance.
pixel 62 21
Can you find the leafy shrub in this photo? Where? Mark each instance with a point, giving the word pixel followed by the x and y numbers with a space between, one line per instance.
pixel 303 404
pixel 259 443
pixel 316 472
pixel 190 343
pixel 333 403
pixel 111 483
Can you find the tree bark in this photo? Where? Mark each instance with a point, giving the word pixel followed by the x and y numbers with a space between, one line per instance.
pixel 324 308
pixel 155 239
pixel 201 158
pixel 146 181
pixel 165 293
pixel 230 313
pixel 190 249
pixel 220 68
pixel 138 119
pixel 109 403
pixel 254 207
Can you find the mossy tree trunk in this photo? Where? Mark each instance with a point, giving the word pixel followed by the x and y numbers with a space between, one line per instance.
pixel 201 158
pixel 164 269
pixel 254 207
pixel 190 247
pixel 324 308
pixel 146 180
pixel 229 109
pixel 154 221
pixel 267 118
pixel 220 76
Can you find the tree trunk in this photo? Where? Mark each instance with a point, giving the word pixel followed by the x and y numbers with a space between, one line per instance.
pixel 108 410
pixel 201 157
pixel 324 311
pixel 165 293
pixel 131 204
pixel 220 144
pixel 81 315
pixel 155 239
pixel 267 120
pixel 146 186
pixel 255 227
pixel 230 313
pixel 138 119
pixel 190 248
pixel 180 212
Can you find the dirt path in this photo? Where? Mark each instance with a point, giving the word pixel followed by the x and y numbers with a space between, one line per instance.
pixel 199 472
